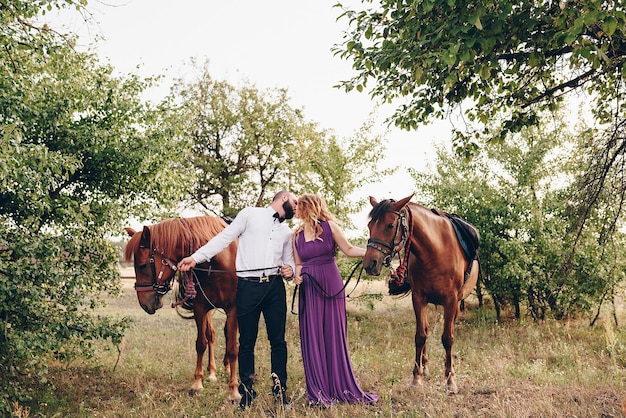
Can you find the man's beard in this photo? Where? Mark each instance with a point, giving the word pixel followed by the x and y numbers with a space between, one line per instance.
pixel 288 210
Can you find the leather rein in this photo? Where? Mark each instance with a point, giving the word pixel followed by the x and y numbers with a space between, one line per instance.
pixel 191 279
pixel 323 292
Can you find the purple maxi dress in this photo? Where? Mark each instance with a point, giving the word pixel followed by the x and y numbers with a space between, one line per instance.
pixel 327 366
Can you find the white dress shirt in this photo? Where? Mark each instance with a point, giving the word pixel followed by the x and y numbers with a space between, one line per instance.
pixel 264 243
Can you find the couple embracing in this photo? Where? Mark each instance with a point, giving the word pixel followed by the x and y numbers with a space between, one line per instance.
pixel 308 257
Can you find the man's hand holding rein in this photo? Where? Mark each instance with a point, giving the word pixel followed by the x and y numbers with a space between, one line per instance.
pixel 286 271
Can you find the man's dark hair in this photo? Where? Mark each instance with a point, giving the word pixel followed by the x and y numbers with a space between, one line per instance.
pixel 279 195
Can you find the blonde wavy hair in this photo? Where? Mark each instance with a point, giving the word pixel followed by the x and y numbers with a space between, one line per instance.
pixel 312 210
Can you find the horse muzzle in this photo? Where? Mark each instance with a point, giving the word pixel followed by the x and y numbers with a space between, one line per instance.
pixel 372 266
pixel 147 309
pixel 150 304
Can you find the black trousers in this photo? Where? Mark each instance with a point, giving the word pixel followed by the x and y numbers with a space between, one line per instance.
pixel 254 298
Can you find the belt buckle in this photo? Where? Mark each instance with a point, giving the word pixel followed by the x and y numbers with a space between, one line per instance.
pixel 264 279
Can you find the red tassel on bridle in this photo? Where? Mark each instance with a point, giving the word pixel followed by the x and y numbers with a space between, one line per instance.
pixel 187 277
pixel 400 273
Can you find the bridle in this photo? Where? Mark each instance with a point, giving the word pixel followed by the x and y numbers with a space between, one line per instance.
pixel 391 249
pixel 158 284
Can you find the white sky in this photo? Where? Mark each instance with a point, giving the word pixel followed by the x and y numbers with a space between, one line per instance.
pixel 271 43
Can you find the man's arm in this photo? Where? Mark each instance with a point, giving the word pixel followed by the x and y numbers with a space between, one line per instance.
pixel 216 244
pixel 288 269
pixel 222 240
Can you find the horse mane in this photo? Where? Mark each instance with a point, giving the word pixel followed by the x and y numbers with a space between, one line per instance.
pixel 172 235
pixel 204 228
pixel 131 246
pixel 380 209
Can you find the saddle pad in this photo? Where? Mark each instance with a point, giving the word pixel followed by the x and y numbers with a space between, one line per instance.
pixel 468 236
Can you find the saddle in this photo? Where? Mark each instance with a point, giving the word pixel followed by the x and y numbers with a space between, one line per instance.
pixel 467 234
pixel 468 237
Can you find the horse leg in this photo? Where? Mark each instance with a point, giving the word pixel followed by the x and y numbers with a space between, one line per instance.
pixel 202 342
pixel 210 332
pixel 230 356
pixel 450 312
pixel 420 369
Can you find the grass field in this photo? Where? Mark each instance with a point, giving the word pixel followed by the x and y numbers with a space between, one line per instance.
pixel 505 369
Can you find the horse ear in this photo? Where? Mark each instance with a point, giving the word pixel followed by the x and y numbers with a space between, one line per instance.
pixel 373 201
pixel 145 236
pixel 130 231
pixel 402 202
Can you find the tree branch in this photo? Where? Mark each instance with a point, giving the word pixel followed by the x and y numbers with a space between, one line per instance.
pixel 573 83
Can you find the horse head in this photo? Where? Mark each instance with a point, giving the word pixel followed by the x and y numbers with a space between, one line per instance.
pixel 388 233
pixel 154 270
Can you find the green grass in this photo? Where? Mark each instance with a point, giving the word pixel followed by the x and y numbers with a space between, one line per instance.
pixel 507 369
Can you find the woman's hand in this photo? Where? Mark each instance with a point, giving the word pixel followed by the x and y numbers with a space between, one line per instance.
pixel 297 280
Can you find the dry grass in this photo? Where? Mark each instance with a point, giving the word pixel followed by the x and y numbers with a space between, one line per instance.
pixel 510 369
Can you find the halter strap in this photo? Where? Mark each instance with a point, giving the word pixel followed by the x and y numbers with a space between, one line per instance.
pixel 158 284
pixel 393 248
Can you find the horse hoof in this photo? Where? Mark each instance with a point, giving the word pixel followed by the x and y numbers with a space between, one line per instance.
pixel 234 396
pixel 194 392
pixel 196 389
pixel 452 388
pixel 417 381
pixel 212 378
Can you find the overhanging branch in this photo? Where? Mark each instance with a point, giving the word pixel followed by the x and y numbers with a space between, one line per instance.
pixel 572 84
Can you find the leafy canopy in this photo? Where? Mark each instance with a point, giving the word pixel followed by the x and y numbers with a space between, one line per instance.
pixel 519 194
pixel 79 154
pixel 504 60
pixel 248 143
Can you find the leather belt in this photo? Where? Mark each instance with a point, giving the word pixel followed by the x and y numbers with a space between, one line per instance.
pixel 262 279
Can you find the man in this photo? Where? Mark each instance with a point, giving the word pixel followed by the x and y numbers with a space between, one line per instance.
pixel 264 257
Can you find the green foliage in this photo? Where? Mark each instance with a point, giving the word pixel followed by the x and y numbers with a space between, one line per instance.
pixel 79 154
pixel 335 168
pixel 246 143
pixel 519 195
pixel 504 60
pixel 238 140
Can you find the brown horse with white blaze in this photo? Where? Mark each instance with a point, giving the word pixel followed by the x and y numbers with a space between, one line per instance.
pixel 156 251
pixel 436 267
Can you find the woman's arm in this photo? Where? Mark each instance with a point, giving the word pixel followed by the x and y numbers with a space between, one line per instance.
pixel 342 242
pixel 297 279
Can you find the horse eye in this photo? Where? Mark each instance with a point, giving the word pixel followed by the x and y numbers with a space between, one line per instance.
pixel 142 266
pixel 390 226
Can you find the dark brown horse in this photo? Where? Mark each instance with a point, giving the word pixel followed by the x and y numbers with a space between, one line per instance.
pixel 156 251
pixel 436 268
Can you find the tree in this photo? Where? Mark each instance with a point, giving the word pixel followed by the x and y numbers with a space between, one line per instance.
pixel 519 194
pixel 506 61
pixel 239 139
pixel 79 154
pixel 597 205
pixel 336 169
pixel 246 142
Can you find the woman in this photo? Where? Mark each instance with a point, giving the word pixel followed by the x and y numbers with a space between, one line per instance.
pixel 327 366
